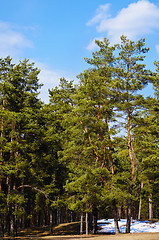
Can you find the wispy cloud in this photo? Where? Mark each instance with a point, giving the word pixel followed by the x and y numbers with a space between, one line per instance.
pixel 102 12
pixel 157 48
pixel 92 44
pixel 49 78
pixel 12 41
pixel 136 20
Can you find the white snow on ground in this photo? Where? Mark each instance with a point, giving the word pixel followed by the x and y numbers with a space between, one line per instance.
pixel 107 226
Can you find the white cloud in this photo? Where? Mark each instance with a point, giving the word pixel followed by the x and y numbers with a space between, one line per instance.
pixel 101 13
pixel 50 78
pixel 12 41
pixel 157 48
pixel 92 44
pixel 136 20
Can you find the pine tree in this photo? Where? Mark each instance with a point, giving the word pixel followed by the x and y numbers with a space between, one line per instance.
pixel 147 146
pixel 19 103
pixel 56 138
pixel 91 143
pixel 131 76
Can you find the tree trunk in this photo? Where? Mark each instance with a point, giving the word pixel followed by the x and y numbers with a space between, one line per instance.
pixel 22 216
pixel 59 216
pixel 1 227
pixel 140 203
pixel 8 225
pixel 110 144
pixel 112 171
pixel 132 172
pixel 119 212
pixel 115 210
pixel 1 149
pixel 95 218
pixel 81 224
pixel 12 226
pixel 51 221
pixel 150 207
pixel 87 223
pixel 128 223
pixel 130 147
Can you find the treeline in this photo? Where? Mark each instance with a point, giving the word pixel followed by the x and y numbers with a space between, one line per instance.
pixel 92 152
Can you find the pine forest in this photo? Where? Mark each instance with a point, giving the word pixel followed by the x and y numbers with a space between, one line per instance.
pixel 92 152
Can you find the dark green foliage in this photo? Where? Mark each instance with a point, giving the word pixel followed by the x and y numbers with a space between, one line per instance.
pixel 94 148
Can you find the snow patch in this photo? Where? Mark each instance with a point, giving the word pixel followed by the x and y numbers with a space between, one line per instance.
pixel 107 226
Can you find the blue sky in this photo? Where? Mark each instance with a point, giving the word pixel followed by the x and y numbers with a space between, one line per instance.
pixel 58 34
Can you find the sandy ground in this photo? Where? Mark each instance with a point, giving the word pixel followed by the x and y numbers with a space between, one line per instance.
pixel 131 236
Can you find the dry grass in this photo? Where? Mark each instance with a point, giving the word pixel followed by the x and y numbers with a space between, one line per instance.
pixel 70 230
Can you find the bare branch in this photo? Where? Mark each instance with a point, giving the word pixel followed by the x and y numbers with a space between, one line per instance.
pixel 38 190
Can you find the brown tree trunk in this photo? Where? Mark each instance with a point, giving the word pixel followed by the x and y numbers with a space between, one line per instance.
pixel 130 147
pixel 132 173
pixel 112 171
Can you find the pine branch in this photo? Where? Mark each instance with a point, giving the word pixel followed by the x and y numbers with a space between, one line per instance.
pixel 90 140
pixel 38 190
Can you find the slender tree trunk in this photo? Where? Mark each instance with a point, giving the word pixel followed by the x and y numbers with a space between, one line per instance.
pixel 12 226
pixel 1 227
pixel 71 217
pixel 9 207
pixel 130 147
pixel 87 231
pixel 112 171
pixel 51 221
pixel 150 207
pixel 132 173
pixel 115 210
pixel 22 217
pixel 128 216
pixel 119 212
pixel 1 149
pixel 109 140
pixel 59 216
pixel 140 203
pixel 81 224
pixel 128 224
pixel 13 178
pixel 95 218
pixel 43 218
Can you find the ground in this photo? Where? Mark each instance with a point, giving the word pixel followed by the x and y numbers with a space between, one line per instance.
pixel 133 236
pixel 68 231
